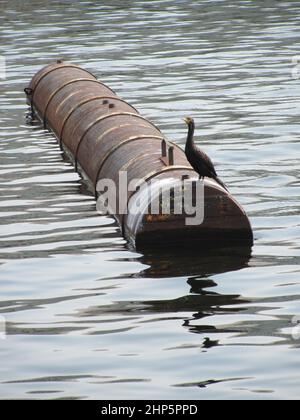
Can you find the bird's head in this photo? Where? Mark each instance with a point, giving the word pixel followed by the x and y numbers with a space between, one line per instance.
pixel 189 121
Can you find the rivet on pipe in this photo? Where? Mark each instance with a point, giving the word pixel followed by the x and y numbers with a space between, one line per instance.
pixel 171 156
pixel 164 148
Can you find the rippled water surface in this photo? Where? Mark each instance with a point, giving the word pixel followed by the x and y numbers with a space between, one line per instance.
pixel 87 317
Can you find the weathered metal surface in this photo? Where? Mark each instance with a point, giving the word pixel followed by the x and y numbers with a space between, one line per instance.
pixel 106 136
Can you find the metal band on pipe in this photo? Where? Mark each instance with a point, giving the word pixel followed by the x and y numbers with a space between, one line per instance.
pixel 115 98
pixel 104 118
pixel 58 68
pixel 70 82
pixel 152 175
pixel 122 143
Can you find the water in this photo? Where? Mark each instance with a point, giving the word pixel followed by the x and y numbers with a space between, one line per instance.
pixel 86 316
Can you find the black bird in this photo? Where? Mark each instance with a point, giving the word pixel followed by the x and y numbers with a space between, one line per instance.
pixel 197 158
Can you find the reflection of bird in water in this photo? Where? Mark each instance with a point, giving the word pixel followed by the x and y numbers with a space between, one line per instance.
pixel 208 343
pixel 197 158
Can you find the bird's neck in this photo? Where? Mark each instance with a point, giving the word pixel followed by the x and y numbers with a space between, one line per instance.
pixel 190 137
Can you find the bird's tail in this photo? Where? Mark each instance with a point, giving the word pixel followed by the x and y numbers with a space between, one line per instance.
pixel 221 183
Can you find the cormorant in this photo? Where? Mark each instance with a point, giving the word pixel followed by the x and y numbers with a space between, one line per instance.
pixel 197 158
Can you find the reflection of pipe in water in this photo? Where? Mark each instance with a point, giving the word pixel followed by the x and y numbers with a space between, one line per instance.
pixel 188 262
pixel 198 269
pixel 201 301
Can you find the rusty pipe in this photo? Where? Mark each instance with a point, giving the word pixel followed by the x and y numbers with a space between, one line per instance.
pixel 105 136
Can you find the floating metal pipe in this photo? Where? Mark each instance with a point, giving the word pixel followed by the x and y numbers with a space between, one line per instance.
pixel 104 136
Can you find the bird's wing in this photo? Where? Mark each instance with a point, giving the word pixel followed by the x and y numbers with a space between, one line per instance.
pixel 208 162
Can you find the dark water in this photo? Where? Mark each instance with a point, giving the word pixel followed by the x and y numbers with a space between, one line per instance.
pixel 87 317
